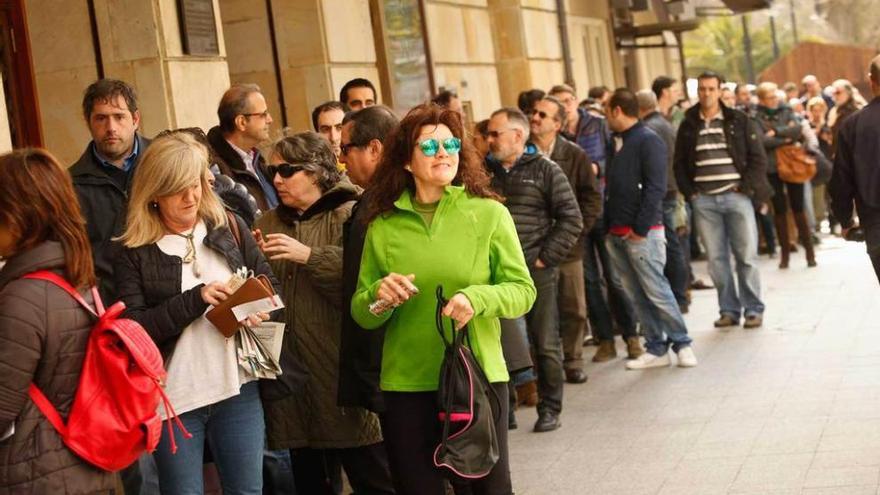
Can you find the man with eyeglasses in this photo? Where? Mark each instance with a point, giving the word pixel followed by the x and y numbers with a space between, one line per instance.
pixel 547 120
pixel 360 351
pixel 548 223
pixel 244 124
pixel 589 130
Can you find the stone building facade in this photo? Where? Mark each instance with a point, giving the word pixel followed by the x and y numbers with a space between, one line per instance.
pixel 300 52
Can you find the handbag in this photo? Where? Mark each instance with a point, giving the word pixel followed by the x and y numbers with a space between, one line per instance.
pixel 469 408
pixel 794 165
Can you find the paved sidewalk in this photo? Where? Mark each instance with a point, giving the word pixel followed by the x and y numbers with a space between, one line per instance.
pixel 791 408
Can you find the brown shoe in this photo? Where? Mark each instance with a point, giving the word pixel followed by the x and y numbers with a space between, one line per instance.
pixel 726 321
pixel 633 348
pixel 527 394
pixel 605 352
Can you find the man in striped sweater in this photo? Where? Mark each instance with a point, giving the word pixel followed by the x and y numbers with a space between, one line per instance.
pixel 721 167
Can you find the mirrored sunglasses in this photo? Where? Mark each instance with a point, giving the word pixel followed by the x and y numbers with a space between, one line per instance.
pixel 431 146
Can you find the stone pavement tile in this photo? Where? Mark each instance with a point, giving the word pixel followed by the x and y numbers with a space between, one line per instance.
pixel 847 458
pixel 789 436
pixel 842 490
pixel 690 474
pixel 803 409
pixel 773 472
pixel 819 477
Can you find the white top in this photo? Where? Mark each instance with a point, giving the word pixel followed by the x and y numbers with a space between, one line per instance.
pixel 204 367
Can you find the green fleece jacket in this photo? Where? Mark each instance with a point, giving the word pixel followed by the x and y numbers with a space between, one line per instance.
pixel 471 248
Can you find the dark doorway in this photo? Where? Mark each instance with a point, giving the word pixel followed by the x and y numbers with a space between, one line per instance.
pixel 16 68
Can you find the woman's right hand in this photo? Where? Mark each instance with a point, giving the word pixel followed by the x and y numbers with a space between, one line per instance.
pixel 215 293
pixel 394 288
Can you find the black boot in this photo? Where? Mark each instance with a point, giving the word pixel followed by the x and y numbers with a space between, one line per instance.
pixel 800 220
pixel 782 235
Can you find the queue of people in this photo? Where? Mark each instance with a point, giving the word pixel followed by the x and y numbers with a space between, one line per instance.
pixel 547 226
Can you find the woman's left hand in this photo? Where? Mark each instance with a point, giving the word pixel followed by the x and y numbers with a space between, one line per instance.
pixel 284 247
pixel 459 309
pixel 254 320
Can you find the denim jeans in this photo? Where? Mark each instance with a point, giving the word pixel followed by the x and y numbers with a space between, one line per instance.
pixel 640 266
pixel 599 312
pixel 235 429
pixel 727 224
pixel 676 270
pixel 542 323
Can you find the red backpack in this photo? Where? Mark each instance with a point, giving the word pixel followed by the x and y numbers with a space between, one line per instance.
pixel 113 419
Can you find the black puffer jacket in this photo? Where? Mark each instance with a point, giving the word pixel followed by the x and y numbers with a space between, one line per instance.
pixel 542 204
pixel 43 338
pixel 746 149
pixel 148 282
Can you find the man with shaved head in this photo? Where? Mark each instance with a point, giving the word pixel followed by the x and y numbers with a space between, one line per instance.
pixel 855 181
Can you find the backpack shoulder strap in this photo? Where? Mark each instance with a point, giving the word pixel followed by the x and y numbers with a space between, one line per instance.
pixel 47 409
pixel 234 227
pixel 59 281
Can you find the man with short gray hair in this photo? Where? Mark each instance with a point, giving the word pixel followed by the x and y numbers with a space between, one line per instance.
pixel 548 223
pixel 244 125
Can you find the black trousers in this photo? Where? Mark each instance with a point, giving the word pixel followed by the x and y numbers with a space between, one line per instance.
pixel 318 471
pixel 795 195
pixel 412 432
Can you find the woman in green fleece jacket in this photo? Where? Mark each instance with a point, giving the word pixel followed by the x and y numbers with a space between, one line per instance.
pixel 426 232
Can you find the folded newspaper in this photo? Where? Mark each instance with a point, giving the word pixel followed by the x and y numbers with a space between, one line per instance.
pixel 259 349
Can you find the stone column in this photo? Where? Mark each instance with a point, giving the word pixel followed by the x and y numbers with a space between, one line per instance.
pixel 141 44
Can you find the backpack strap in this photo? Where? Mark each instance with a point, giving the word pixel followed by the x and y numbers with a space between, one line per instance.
pixel 233 226
pixel 59 281
pixel 37 395
pixel 47 409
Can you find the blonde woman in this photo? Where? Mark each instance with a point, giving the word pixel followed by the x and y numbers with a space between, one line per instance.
pixel 179 252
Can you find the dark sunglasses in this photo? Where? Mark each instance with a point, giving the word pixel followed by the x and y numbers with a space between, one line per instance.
pixel 345 148
pixel 540 113
pixel 285 170
pixel 431 146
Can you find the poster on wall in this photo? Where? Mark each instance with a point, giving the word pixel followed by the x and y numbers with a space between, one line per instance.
pixel 405 53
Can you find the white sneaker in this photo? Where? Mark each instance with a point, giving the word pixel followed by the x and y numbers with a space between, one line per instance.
pixel 686 357
pixel 648 360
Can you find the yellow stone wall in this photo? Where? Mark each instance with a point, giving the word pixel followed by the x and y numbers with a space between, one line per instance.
pixel 461 45
pixel 64 64
pixel 140 44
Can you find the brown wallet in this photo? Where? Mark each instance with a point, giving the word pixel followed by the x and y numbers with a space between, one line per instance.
pixel 254 289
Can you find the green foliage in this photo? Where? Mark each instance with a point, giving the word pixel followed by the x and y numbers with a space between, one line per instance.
pixel 718 45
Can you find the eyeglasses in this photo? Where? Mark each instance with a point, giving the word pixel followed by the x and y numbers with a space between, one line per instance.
pixel 495 134
pixel 540 113
pixel 285 170
pixel 264 114
pixel 345 148
pixel 431 146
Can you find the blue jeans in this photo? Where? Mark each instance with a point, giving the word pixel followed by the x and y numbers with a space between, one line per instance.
pixel 235 429
pixel 727 223
pixel 640 267
pixel 599 309
pixel 676 269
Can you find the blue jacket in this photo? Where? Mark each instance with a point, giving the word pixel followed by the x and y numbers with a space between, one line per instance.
pixel 592 136
pixel 636 180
